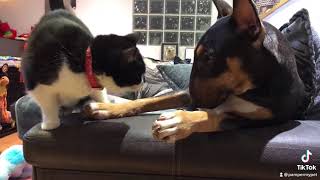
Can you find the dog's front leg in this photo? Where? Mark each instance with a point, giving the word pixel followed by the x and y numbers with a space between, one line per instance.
pixel 177 125
pixel 131 108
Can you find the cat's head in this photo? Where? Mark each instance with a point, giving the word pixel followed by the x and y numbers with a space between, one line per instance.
pixel 117 62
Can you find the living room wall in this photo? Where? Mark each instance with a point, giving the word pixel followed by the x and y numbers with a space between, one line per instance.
pixel 21 14
pixel 110 16
pixel 284 13
pixel 115 16
pixel 101 16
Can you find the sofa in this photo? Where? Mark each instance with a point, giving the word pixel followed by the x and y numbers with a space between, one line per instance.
pixel 124 148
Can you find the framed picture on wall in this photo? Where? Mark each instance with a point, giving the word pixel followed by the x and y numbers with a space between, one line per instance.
pixel 266 7
pixel 169 51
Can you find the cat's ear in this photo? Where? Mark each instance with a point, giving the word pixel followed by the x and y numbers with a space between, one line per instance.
pixel 246 18
pixel 133 37
pixel 223 8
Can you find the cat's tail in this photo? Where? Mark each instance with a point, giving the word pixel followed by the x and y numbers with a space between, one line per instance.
pixel 62 4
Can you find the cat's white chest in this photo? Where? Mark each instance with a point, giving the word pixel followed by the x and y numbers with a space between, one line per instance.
pixel 68 89
pixel 71 87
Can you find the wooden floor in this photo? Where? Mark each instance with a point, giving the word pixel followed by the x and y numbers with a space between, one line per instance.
pixel 8 141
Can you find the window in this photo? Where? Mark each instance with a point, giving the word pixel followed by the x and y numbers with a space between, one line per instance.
pixel 171 21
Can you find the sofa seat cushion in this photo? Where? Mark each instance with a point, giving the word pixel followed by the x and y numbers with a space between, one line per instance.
pixel 253 153
pixel 126 146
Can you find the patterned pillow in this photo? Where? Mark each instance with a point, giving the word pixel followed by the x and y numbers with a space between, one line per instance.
pixel 299 34
pixel 313 112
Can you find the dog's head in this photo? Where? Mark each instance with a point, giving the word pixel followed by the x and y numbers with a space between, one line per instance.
pixel 230 58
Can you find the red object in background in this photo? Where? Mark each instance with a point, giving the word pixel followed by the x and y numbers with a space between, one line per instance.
pixel 25 46
pixel 4 27
pixel 26 36
pixel 6 31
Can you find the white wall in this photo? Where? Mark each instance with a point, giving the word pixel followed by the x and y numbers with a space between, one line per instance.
pixel 106 16
pixel 115 16
pixel 101 16
pixel 21 14
pixel 283 14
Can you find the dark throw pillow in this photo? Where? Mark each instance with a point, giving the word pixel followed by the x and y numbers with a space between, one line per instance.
pixel 299 34
pixel 313 112
pixel 177 76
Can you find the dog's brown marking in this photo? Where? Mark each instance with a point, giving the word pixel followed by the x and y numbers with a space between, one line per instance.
pixel 209 120
pixel 210 92
pixel 200 50
pixel 239 79
pixel 132 108
pixel 206 120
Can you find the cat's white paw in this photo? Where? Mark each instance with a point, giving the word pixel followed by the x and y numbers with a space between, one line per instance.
pixel 50 125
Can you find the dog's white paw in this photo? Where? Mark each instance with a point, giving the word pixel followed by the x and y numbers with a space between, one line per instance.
pixel 50 125
pixel 101 114
pixel 99 111
pixel 172 126
pixel 90 108
pixel 93 106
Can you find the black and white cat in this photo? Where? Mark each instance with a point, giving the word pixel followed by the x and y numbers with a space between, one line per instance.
pixel 59 69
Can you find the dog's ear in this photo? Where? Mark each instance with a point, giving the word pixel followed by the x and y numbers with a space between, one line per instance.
pixel 246 18
pixel 224 9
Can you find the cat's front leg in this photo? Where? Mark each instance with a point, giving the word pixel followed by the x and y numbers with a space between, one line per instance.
pixel 50 112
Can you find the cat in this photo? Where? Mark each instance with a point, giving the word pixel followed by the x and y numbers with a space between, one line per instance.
pixel 56 66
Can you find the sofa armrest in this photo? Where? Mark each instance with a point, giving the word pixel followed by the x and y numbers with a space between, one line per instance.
pixel 122 145
pixel 27 114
